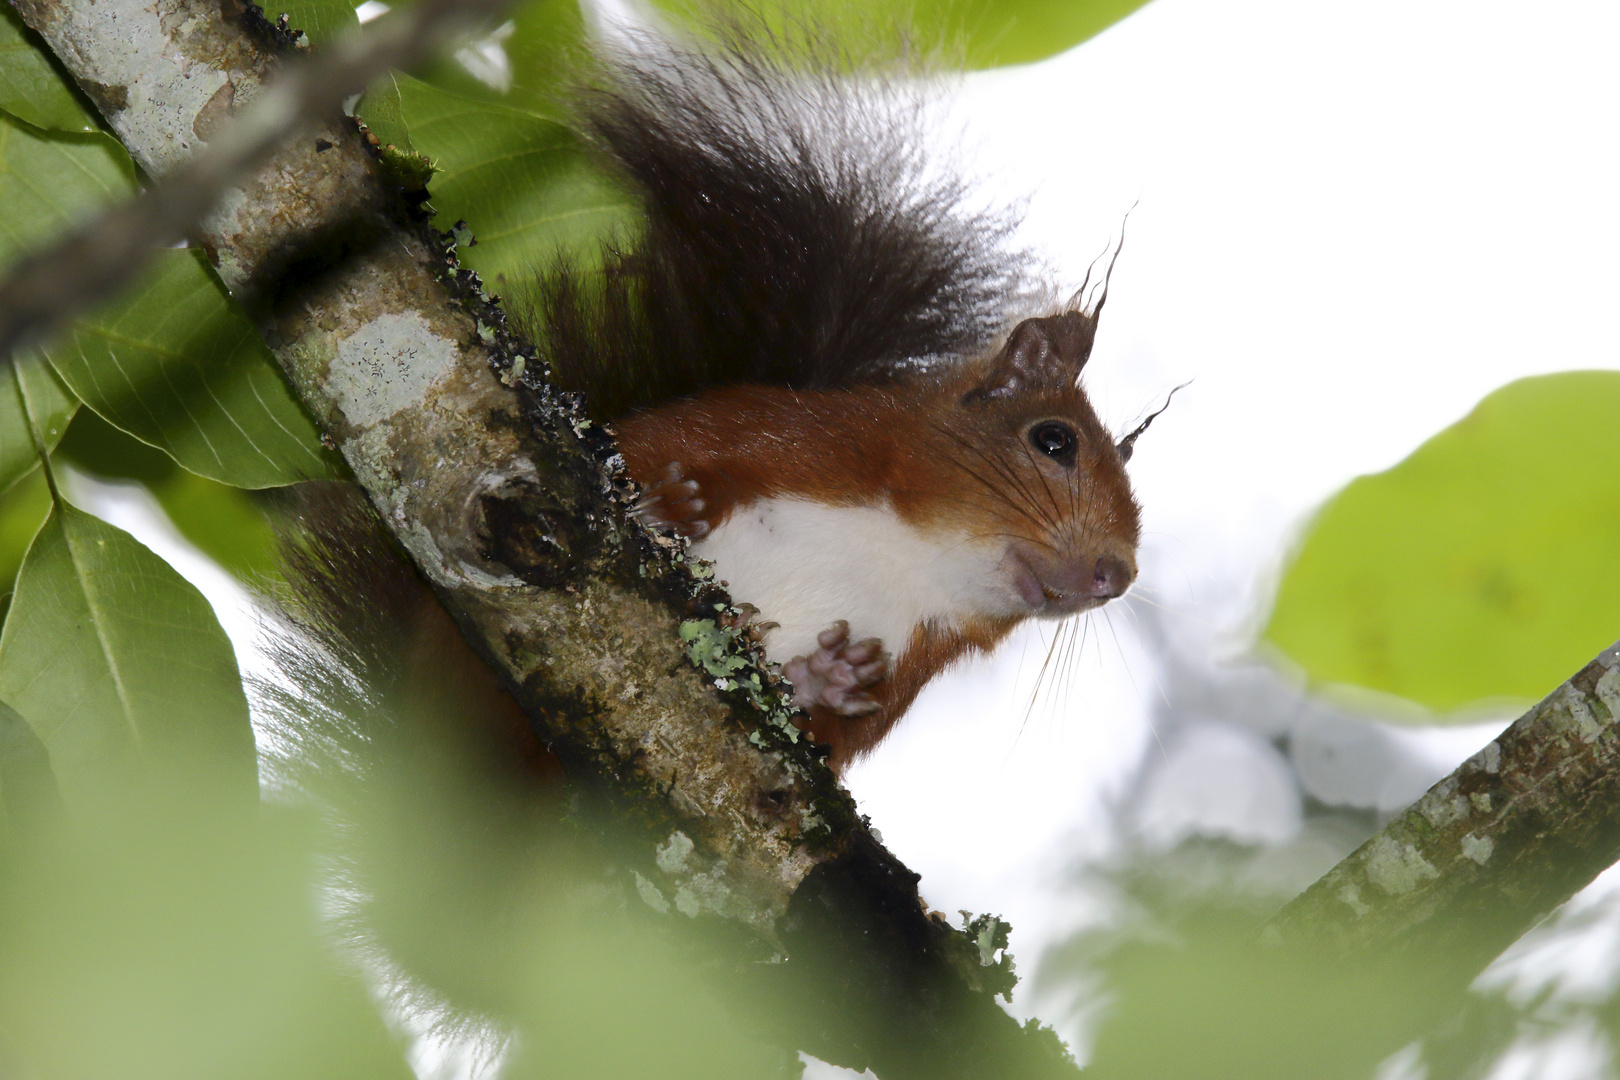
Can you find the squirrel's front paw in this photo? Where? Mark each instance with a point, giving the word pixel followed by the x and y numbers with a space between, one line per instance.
pixel 675 502
pixel 839 673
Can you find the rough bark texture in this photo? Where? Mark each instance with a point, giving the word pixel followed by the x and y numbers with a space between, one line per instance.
pixel 1490 850
pixel 513 506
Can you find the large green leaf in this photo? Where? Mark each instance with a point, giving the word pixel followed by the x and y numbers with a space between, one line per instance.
pixel 23 510
pixel 1485 565
pixel 48 181
pixel 178 366
pixel 541 44
pixel 120 667
pixel 975 33
pixel 227 523
pixel 31 89
pixel 322 20
pixel 56 405
pixel 522 182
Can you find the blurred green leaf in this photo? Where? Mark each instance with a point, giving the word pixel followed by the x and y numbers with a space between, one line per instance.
pixel 170 943
pixel 1205 1000
pixel 975 33
pixel 120 667
pixel 56 406
pixel 177 365
pixel 31 88
pixel 322 20
pixel 49 181
pixel 1482 566
pixel 523 182
pixel 27 788
pixel 226 523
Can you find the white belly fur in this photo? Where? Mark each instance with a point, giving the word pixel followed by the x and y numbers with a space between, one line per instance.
pixel 805 565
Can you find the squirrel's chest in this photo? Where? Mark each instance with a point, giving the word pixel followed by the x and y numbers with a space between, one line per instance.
pixel 806 565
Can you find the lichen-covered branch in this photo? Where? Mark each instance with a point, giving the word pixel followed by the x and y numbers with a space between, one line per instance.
pixel 513 506
pixel 1493 848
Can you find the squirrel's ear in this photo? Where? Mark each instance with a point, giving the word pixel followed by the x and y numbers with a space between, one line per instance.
pixel 1041 354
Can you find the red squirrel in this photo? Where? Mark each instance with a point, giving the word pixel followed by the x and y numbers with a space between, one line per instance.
pixel 814 362
pixel 888 530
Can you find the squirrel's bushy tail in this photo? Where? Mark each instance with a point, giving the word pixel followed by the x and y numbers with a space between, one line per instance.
pixel 793 232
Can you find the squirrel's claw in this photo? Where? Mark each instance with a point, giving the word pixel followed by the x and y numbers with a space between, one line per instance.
pixel 839 673
pixel 674 503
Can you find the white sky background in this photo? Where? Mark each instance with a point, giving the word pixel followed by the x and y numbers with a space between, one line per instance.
pixel 1351 223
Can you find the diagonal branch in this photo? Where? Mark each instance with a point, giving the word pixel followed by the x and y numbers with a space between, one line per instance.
pixel 513 506
pixel 1489 851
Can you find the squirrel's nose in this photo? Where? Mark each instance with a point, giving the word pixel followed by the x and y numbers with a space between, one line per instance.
pixel 1111 577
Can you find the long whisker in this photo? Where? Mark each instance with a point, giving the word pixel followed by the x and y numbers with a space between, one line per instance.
pixel 1021 508
pixel 996 464
pixel 1041 476
pixel 1040 679
pixel 1008 474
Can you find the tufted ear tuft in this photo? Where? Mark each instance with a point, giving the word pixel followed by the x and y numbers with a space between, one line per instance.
pixel 1041 354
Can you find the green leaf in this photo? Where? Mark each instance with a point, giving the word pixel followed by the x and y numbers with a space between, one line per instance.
pixel 27 787
pixel 380 110
pixel 120 668
pixel 23 510
pixel 524 183
pixel 973 33
pixel 322 20
pixel 226 523
pixel 995 33
pixel 49 181
pixel 1482 566
pixel 541 43
pixel 31 89
pixel 56 405
pixel 178 366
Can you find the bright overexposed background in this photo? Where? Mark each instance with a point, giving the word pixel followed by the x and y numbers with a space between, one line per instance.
pixel 1350 223
pixel 1347 223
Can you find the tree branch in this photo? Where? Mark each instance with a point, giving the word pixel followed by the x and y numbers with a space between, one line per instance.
pixel 1489 851
pixel 513 506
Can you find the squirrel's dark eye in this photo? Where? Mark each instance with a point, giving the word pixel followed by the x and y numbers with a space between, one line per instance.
pixel 1058 441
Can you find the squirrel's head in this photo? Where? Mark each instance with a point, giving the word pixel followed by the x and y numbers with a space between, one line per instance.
pixel 1037 480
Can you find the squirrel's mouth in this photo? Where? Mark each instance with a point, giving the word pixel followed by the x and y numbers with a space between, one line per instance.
pixel 1069 585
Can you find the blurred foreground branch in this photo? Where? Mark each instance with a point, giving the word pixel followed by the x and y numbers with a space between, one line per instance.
pixel 513 506
pixel 46 289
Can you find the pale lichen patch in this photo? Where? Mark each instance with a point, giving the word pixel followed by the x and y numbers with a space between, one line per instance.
pixel 1478 848
pixel 1441 811
pixel 1608 691
pixel 650 895
pixel 164 89
pixel 673 853
pixel 1489 759
pixel 387 365
pixel 1351 896
pixel 1396 867
pixel 1582 723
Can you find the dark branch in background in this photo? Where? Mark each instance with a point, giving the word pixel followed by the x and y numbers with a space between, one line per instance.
pixel 45 290
pixel 1489 851
pixel 513 506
